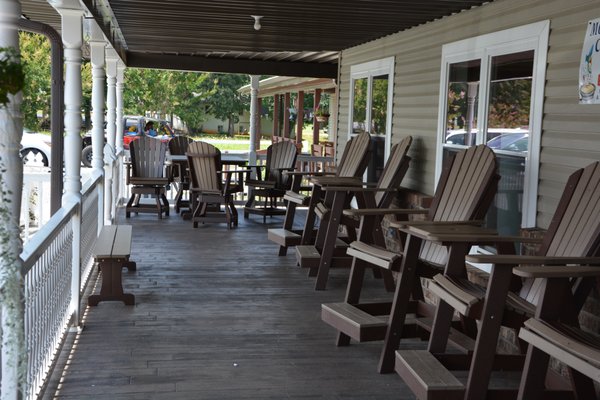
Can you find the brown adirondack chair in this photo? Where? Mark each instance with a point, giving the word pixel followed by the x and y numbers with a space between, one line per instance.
pixel 209 186
pixel 281 157
pixel 329 251
pixel 179 170
pixel 352 164
pixel 465 190
pixel 146 175
pixel 572 238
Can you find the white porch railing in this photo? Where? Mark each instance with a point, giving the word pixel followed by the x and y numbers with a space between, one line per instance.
pixel 35 200
pixel 48 276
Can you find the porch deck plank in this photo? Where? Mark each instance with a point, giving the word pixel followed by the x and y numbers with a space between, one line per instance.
pixel 218 315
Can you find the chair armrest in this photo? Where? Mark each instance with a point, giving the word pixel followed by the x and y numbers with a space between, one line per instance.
pixel 128 173
pixel 559 271
pixel 357 189
pixel 336 181
pixel 260 184
pixel 383 211
pixel 539 260
pixel 404 224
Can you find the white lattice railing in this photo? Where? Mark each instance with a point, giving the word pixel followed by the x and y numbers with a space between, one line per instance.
pixel 47 270
pixel 53 287
pixel 89 225
pixel 35 200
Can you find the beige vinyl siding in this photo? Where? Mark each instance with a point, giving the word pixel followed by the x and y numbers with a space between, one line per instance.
pixel 570 131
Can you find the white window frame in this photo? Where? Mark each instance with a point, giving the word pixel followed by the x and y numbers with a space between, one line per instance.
pixel 524 38
pixel 369 70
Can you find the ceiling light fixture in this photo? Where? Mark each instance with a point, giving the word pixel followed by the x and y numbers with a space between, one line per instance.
pixel 257 24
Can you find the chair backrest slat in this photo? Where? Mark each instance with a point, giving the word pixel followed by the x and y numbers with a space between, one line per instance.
pixel 204 160
pixel 178 145
pixel 393 172
pixel 462 191
pixel 280 155
pixel 355 157
pixel 467 186
pixel 575 227
pixel 575 231
pixel 148 157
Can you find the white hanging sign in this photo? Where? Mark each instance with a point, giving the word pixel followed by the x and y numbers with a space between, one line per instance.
pixel 589 70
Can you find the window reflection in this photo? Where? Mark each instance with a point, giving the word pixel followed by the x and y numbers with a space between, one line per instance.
pixel 510 100
pixel 359 108
pixel 379 105
pixel 461 113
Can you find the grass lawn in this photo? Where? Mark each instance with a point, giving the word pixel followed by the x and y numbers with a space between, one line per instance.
pixel 241 143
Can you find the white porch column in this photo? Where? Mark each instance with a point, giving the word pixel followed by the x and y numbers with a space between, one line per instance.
pixel 253 118
pixel 72 36
pixel 11 283
pixel 118 168
pixel 97 47
pixel 111 129
pixel 119 116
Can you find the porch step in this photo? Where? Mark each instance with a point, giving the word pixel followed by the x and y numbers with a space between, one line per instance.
pixel 322 211
pixel 297 198
pixel 309 256
pixel 427 377
pixel 458 339
pixel 373 255
pixel 284 237
pixel 356 323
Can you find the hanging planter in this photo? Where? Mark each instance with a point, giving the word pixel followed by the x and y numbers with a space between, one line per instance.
pixel 12 76
pixel 322 118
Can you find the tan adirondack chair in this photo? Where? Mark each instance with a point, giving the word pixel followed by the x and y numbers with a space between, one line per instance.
pixel 179 170
pixel 281 157
pixel 352 164
pixel 209 186
pixel 330 251
pixel 465 190
pixel 572 238
pixel 146 175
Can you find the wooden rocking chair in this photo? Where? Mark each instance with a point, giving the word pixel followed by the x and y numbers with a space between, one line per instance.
pixel 281 158
pixel 352 164
pixel 146 174
pixel 209 186
pixel 465 190
pixel 572 238
pixel 329 251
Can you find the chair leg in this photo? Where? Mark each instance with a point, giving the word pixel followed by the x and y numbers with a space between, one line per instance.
pixel 234 212
pixel 400 304
pixel 165 202
pixel 158 206
pixel 128 206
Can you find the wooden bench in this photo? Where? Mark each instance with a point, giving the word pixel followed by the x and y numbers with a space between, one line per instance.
pixel 112 252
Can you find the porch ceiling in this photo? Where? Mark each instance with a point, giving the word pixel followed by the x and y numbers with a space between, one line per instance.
pixel 297 38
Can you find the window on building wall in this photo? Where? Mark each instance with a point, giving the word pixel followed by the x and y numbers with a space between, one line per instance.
pixel 492 93
pixel 371 92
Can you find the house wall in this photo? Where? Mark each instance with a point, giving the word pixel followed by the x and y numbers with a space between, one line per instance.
pixel 570 131
pixel 211 125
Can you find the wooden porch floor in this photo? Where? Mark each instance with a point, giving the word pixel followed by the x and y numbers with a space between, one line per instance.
pixel 218 315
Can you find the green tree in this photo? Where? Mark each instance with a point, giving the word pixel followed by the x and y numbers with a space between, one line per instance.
pixel 35 53
pixel 222 99
pixel 510 102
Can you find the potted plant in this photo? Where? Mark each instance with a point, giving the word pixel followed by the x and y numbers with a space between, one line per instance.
pixel 322 115
pixel 12 76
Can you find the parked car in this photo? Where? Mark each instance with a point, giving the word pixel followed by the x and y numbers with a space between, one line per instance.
pixel 515 141
pixel 133 128
pixel 498 138
pixel 35 148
